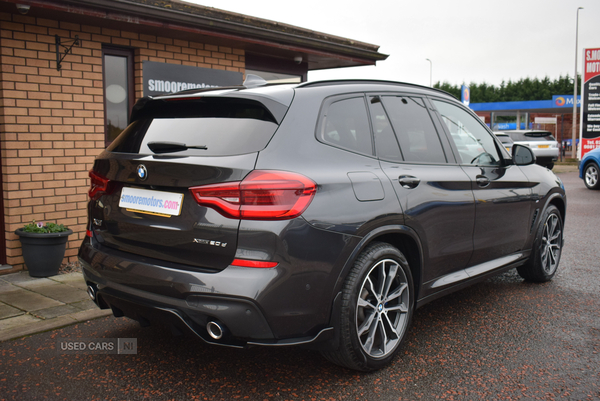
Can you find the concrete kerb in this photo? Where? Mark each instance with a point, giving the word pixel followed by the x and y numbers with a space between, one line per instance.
pixel 31 305
pixel 565 168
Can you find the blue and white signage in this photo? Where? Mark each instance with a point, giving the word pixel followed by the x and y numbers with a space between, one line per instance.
pixel 565 100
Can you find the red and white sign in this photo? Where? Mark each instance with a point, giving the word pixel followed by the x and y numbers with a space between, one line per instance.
pixel 590 105
pixel 591 64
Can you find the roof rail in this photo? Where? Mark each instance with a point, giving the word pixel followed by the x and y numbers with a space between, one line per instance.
pixel 367 81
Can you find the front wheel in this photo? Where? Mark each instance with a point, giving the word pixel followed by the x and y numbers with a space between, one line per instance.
pixel 590 176
pixel 547 247
pixel 376 311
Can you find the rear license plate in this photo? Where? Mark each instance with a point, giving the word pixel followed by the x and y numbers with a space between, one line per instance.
pixel 543 146
pixel 151 202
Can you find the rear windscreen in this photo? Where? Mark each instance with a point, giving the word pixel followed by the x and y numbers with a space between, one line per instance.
pixel 210 127
pixel 531 136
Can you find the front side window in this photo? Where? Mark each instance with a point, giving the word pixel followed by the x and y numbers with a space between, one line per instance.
pixel 346 125
pixel 474 143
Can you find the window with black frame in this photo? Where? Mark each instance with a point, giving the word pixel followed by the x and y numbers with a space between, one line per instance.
pixel 118 90
pixel 474 143
pixel 346 125
pixel 416 134
pixel 386 143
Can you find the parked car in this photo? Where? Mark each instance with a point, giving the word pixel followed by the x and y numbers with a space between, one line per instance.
pixel 543 144
pixel 319 214
pixel 506 140
pixel 589 168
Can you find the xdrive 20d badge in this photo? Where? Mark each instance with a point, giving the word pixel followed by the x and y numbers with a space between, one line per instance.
pixel 319 214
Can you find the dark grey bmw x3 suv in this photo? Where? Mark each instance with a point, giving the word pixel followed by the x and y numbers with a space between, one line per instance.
pixel 320 213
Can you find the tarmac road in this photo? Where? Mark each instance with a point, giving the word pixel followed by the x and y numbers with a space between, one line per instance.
pixel 500 339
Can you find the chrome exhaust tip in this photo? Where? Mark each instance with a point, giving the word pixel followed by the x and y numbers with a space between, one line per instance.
pixel 215 330
pixel 91 291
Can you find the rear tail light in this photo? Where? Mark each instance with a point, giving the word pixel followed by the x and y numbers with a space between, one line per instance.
pixel 99 185
pixel 262 195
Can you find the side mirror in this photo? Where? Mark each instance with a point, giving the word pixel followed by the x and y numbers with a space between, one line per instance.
pixel 522 155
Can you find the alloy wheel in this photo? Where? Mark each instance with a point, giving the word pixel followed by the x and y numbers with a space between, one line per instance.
pixel 382 309
pixel 591 176
pixel 551 243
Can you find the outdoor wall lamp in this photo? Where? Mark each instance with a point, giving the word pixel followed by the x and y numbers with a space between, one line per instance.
pixel 23 8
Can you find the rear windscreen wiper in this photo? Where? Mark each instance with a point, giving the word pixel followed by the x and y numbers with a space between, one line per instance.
pixel 170 147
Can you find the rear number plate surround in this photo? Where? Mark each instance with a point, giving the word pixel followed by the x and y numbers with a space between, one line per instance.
pixel 152 202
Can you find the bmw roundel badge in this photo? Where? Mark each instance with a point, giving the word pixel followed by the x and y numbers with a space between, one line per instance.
pixel 142 172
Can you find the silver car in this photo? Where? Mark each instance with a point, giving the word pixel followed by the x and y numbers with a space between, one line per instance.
pixel 544 146
pixel 506 140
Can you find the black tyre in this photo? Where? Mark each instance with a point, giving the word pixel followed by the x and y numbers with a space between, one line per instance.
pixel 377 308
pixel 590 176
pixel 550 166
pixel 547 247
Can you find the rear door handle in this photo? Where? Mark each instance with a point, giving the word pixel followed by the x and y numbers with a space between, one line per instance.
pixel 408 181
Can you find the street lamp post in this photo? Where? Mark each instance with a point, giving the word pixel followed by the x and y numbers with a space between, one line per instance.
pixel 574 129
pixel 430 73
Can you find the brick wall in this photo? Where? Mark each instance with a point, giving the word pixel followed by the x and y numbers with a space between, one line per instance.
pixel 52 122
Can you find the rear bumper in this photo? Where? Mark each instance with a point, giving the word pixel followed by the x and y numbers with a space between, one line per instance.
pixel 286 305
pixel 241 318
pixel 550 153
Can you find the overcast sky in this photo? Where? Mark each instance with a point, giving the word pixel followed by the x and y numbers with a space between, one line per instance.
pixel 467 41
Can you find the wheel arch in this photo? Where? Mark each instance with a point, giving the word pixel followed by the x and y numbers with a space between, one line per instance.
pixel 547 242
pixel 588 162
pixel 559 202
pixel 411 249
pixel 399 236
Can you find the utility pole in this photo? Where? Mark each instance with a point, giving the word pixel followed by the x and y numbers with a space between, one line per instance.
pixel 574 132
pixel 430 73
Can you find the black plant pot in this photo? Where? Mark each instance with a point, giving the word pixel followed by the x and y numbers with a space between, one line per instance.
pixel 43 252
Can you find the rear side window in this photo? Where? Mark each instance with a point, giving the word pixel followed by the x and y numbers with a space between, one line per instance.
pixel 346 125
pixel 386 143
pixel 416 134
pixel 207 127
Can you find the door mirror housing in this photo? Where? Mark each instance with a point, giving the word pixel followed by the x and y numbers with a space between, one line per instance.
pixel 522 155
